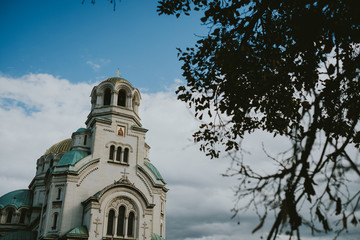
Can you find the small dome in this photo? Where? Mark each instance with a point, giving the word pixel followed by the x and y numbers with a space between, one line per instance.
pixel 116 80
pixel 60 147
pixel 154 171
pixel 154 236
pixel 78 232
pixel 82 130
pixel 18 199
pixel 71 157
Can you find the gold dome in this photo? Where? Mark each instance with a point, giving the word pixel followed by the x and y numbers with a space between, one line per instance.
pixel 60 147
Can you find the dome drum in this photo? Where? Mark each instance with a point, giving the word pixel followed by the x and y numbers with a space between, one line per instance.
pixel 116 92
pixel 81 139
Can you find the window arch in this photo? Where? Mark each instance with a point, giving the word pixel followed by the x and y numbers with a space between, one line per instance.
pixel 9 216
pixel 110 225
pixel 122 98
pixel 126 155
pixel 131 224
pixel 118 154
pixel 122 219
pixel 121 222
pixel 107 96
pixel 22 216
pixel 112 150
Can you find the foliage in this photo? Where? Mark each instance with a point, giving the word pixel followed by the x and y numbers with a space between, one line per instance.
pixel 113 2
pixel 289 68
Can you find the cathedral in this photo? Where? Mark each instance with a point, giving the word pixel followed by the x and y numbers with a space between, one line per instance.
pixel 98 184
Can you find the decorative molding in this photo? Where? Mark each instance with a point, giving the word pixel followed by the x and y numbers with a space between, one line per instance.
pixel 97 222
pixel 145 182
pixel 91 171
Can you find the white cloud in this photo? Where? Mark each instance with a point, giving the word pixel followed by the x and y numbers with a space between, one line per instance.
pixel 93 65
pixel 38 110
pixel 96 65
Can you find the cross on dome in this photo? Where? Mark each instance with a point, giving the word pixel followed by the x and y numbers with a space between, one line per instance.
pixel 118 73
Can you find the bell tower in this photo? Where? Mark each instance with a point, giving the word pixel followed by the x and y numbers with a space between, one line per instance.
pixel 115 97
pixel 133 193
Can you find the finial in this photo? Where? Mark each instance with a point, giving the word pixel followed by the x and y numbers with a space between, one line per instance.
pixel 118 73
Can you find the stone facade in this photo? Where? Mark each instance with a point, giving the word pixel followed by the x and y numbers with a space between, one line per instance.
pixel 98 184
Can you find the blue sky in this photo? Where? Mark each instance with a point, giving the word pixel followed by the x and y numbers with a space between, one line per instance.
pixel 87 43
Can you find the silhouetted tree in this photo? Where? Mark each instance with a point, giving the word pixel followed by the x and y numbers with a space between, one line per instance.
pixel 289 68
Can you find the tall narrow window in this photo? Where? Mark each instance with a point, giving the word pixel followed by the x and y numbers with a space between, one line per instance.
pixel 126 155
pixel 55 221
pixel 111 154
pixel 110 225
pixel 58 194
pixel 85 138
pixel 51 162
pixel 107 96
pixel 118 154
pixel 9 216
pixel 161 229
pixel 22 216
pixel 122 98
pixel 131 223
pixel 121 221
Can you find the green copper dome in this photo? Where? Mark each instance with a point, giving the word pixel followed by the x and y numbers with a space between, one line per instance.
pixel 154 236
pixel 82 130
pixel 60 147
pixel 80 231
pixel 71 157
pixel 154 171
pixel 18 199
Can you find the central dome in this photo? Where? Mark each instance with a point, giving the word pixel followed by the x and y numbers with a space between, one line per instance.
pixel 60 147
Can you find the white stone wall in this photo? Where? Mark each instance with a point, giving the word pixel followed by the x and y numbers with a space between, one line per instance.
pixel 131 184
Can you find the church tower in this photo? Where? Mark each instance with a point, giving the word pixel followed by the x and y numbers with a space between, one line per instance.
pixel 100 183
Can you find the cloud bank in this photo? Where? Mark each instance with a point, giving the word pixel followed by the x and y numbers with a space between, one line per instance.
pixel 38 110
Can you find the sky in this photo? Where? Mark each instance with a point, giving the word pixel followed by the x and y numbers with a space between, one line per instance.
pixel 51 55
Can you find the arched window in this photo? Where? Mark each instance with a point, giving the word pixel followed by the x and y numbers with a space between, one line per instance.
pixel 9 216
pixel 111 154
pixel 131 224
pixel 22 216
pixel 126 155
pixel 107 96
pixel 122 98
pixel 118 154
pixel 121 221
pixel 85 138
pixel 51 162
pixel 55 221
pixel 110 225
